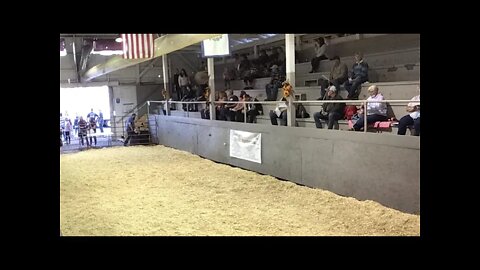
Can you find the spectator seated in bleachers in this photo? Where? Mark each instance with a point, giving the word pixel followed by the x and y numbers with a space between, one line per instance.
pixel 358 75
pixel 263 59
pixel 376 111
pixel 227 77
pixel 165 105
pixel 221 97
pixel 320 53
pixel 226 112
pixel 331 112
pixel 201 80
pixel 245 71
pixel 252 110
pixel 278 58
pixel 276 82
pixel 190 96
pixel 338 73
pixel 237 73
pixel 413 118
pixel 279 112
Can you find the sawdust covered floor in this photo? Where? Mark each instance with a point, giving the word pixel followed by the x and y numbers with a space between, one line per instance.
pixel 156 190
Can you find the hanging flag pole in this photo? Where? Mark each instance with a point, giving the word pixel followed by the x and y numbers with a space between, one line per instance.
pixel 162 45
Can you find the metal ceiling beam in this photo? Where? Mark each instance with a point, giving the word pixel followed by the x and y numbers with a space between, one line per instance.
pixel 150 66
pixel 163 45
pixel 75 58
pixel 276 38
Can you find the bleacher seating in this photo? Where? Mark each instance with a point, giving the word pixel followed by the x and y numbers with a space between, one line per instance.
pixel 396 72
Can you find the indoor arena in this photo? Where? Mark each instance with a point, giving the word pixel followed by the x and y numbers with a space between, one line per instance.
pixel 239 134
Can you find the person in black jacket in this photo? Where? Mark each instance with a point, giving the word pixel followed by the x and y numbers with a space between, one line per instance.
pixel 358 75
pixel 130 129
pixel 331 112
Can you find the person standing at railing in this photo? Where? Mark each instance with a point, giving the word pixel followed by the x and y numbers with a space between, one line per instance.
pixel 376 111
pixel 413 118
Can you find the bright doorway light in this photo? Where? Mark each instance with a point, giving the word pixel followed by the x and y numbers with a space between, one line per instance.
pixel 80 100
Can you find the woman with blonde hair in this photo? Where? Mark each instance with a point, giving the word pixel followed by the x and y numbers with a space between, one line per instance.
pixel 376 111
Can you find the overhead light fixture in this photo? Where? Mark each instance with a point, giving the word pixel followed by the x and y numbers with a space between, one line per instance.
pixel 107 47
pixel 63 50
pixel 118 39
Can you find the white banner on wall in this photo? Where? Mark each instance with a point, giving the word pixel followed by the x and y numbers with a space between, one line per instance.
pixel 246 145
pixel 217 46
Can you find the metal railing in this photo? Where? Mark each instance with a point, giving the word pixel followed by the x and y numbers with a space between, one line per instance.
pixel 314 102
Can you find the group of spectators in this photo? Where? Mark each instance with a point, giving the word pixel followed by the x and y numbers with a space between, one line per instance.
pixel 81 127
pixel 273 65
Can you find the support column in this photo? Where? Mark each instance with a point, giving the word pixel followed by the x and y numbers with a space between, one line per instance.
pixel 298 42
pixel 255 51
pixel 165 81
pixel 211 84
pixel 290 69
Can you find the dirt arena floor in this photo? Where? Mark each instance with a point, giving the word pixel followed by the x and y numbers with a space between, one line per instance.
pixel 160 191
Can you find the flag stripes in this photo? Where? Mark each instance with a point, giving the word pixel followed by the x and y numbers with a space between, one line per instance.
pixel 137 46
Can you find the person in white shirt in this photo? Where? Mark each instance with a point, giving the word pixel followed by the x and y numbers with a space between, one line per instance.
pixel 184 82
pixel 279 112
pixel 376 111
pixel 413 118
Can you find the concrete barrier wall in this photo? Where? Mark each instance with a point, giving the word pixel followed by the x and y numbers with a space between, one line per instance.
pixel 383 168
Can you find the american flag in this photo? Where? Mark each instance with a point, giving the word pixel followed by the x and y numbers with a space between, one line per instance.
pixel 137 46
